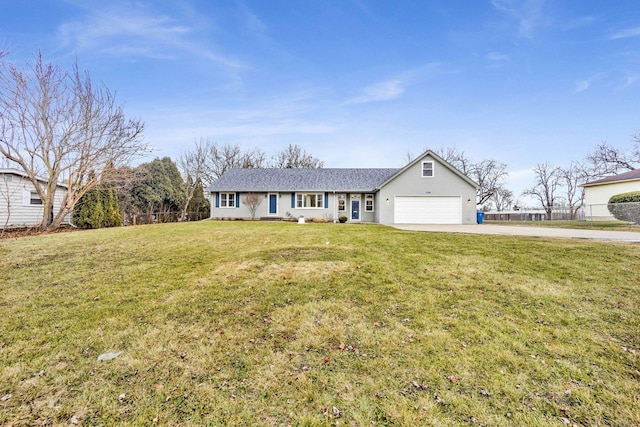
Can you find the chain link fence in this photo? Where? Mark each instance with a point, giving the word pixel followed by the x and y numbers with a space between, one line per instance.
pixel 628 211
pixel 525 214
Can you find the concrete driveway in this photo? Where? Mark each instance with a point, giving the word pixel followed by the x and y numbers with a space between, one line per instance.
pixel 516 230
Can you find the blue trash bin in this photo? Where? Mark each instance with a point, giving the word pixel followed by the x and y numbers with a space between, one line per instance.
pixel 479 217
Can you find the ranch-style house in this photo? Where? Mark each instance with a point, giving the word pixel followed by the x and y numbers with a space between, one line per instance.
pixel 428 190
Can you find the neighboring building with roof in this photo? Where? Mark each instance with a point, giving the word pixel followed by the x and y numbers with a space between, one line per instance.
pixel 20 204
pixel 426 191
pixel 597 193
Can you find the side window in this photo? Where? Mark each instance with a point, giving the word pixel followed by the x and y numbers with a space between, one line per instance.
pixel 35 199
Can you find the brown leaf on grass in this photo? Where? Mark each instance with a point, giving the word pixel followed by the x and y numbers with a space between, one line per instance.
pixel 326 360
pixel 341 346
pixel 452 378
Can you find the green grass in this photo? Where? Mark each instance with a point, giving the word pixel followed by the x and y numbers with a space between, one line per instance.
pixel 241 323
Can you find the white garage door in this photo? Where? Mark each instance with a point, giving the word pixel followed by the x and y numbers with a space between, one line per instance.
pixel 427 210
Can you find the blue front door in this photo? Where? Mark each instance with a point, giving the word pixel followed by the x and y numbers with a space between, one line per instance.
pixel 273 204
pixel 355 210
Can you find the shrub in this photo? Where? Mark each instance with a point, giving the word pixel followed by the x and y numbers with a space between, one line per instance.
pixel 626 206
pixel 342 219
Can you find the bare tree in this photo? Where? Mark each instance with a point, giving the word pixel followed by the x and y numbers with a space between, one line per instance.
pixel 489 174
pixel 295 157
pixel 56 124
pixel 196 169
pixel 252 201
pixel 502 199
pixel 571 178
pixel 457 159
pixel 228 156
pixel 545 186
pixel 607 160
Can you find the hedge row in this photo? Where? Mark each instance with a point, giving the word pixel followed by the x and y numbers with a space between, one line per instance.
pixel 626 206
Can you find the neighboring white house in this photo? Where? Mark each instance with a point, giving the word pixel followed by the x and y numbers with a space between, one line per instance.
pixel 597 193
pixel 428 190
pixel 20 204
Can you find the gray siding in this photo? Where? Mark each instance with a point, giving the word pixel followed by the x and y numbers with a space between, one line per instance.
pixel 410 182
pixel 285 209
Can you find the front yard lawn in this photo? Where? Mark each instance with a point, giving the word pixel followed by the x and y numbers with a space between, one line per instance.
pixel 249 323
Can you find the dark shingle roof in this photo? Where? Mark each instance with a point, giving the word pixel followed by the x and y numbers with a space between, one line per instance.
pixel 627 176
pixel 364 180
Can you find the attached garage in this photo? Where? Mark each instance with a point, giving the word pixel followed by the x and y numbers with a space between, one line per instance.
pixel 428 210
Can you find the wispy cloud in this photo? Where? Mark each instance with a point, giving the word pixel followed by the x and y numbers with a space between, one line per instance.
pixel 625 34
pixel 393 88
pixel 582 85
pixel 251 23
pixel 528 14
pixel 135 31
pixel 381 91
pixel 496 59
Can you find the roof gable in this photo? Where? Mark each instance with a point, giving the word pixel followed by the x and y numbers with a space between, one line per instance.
pixel 439 160
pixel 626 176
pixel 329 179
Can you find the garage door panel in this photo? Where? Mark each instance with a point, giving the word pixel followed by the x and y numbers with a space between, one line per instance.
pixel 427 210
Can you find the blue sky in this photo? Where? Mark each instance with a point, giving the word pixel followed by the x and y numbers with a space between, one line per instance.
pixel 357 83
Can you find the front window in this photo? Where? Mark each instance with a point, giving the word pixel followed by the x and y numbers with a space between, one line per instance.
pixel 368 203
pixel 427 169
pixel 309 200
pixel 227 200
pixel 342 202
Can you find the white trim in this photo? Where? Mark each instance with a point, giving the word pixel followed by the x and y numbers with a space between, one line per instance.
pixel 319 200
pixel 341 197
pixel 235 202
pixel 371 197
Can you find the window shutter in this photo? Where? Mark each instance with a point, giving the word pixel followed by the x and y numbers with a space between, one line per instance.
pixel 293 200
pixel 237 200
pixel 326 200
pixel 217 196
